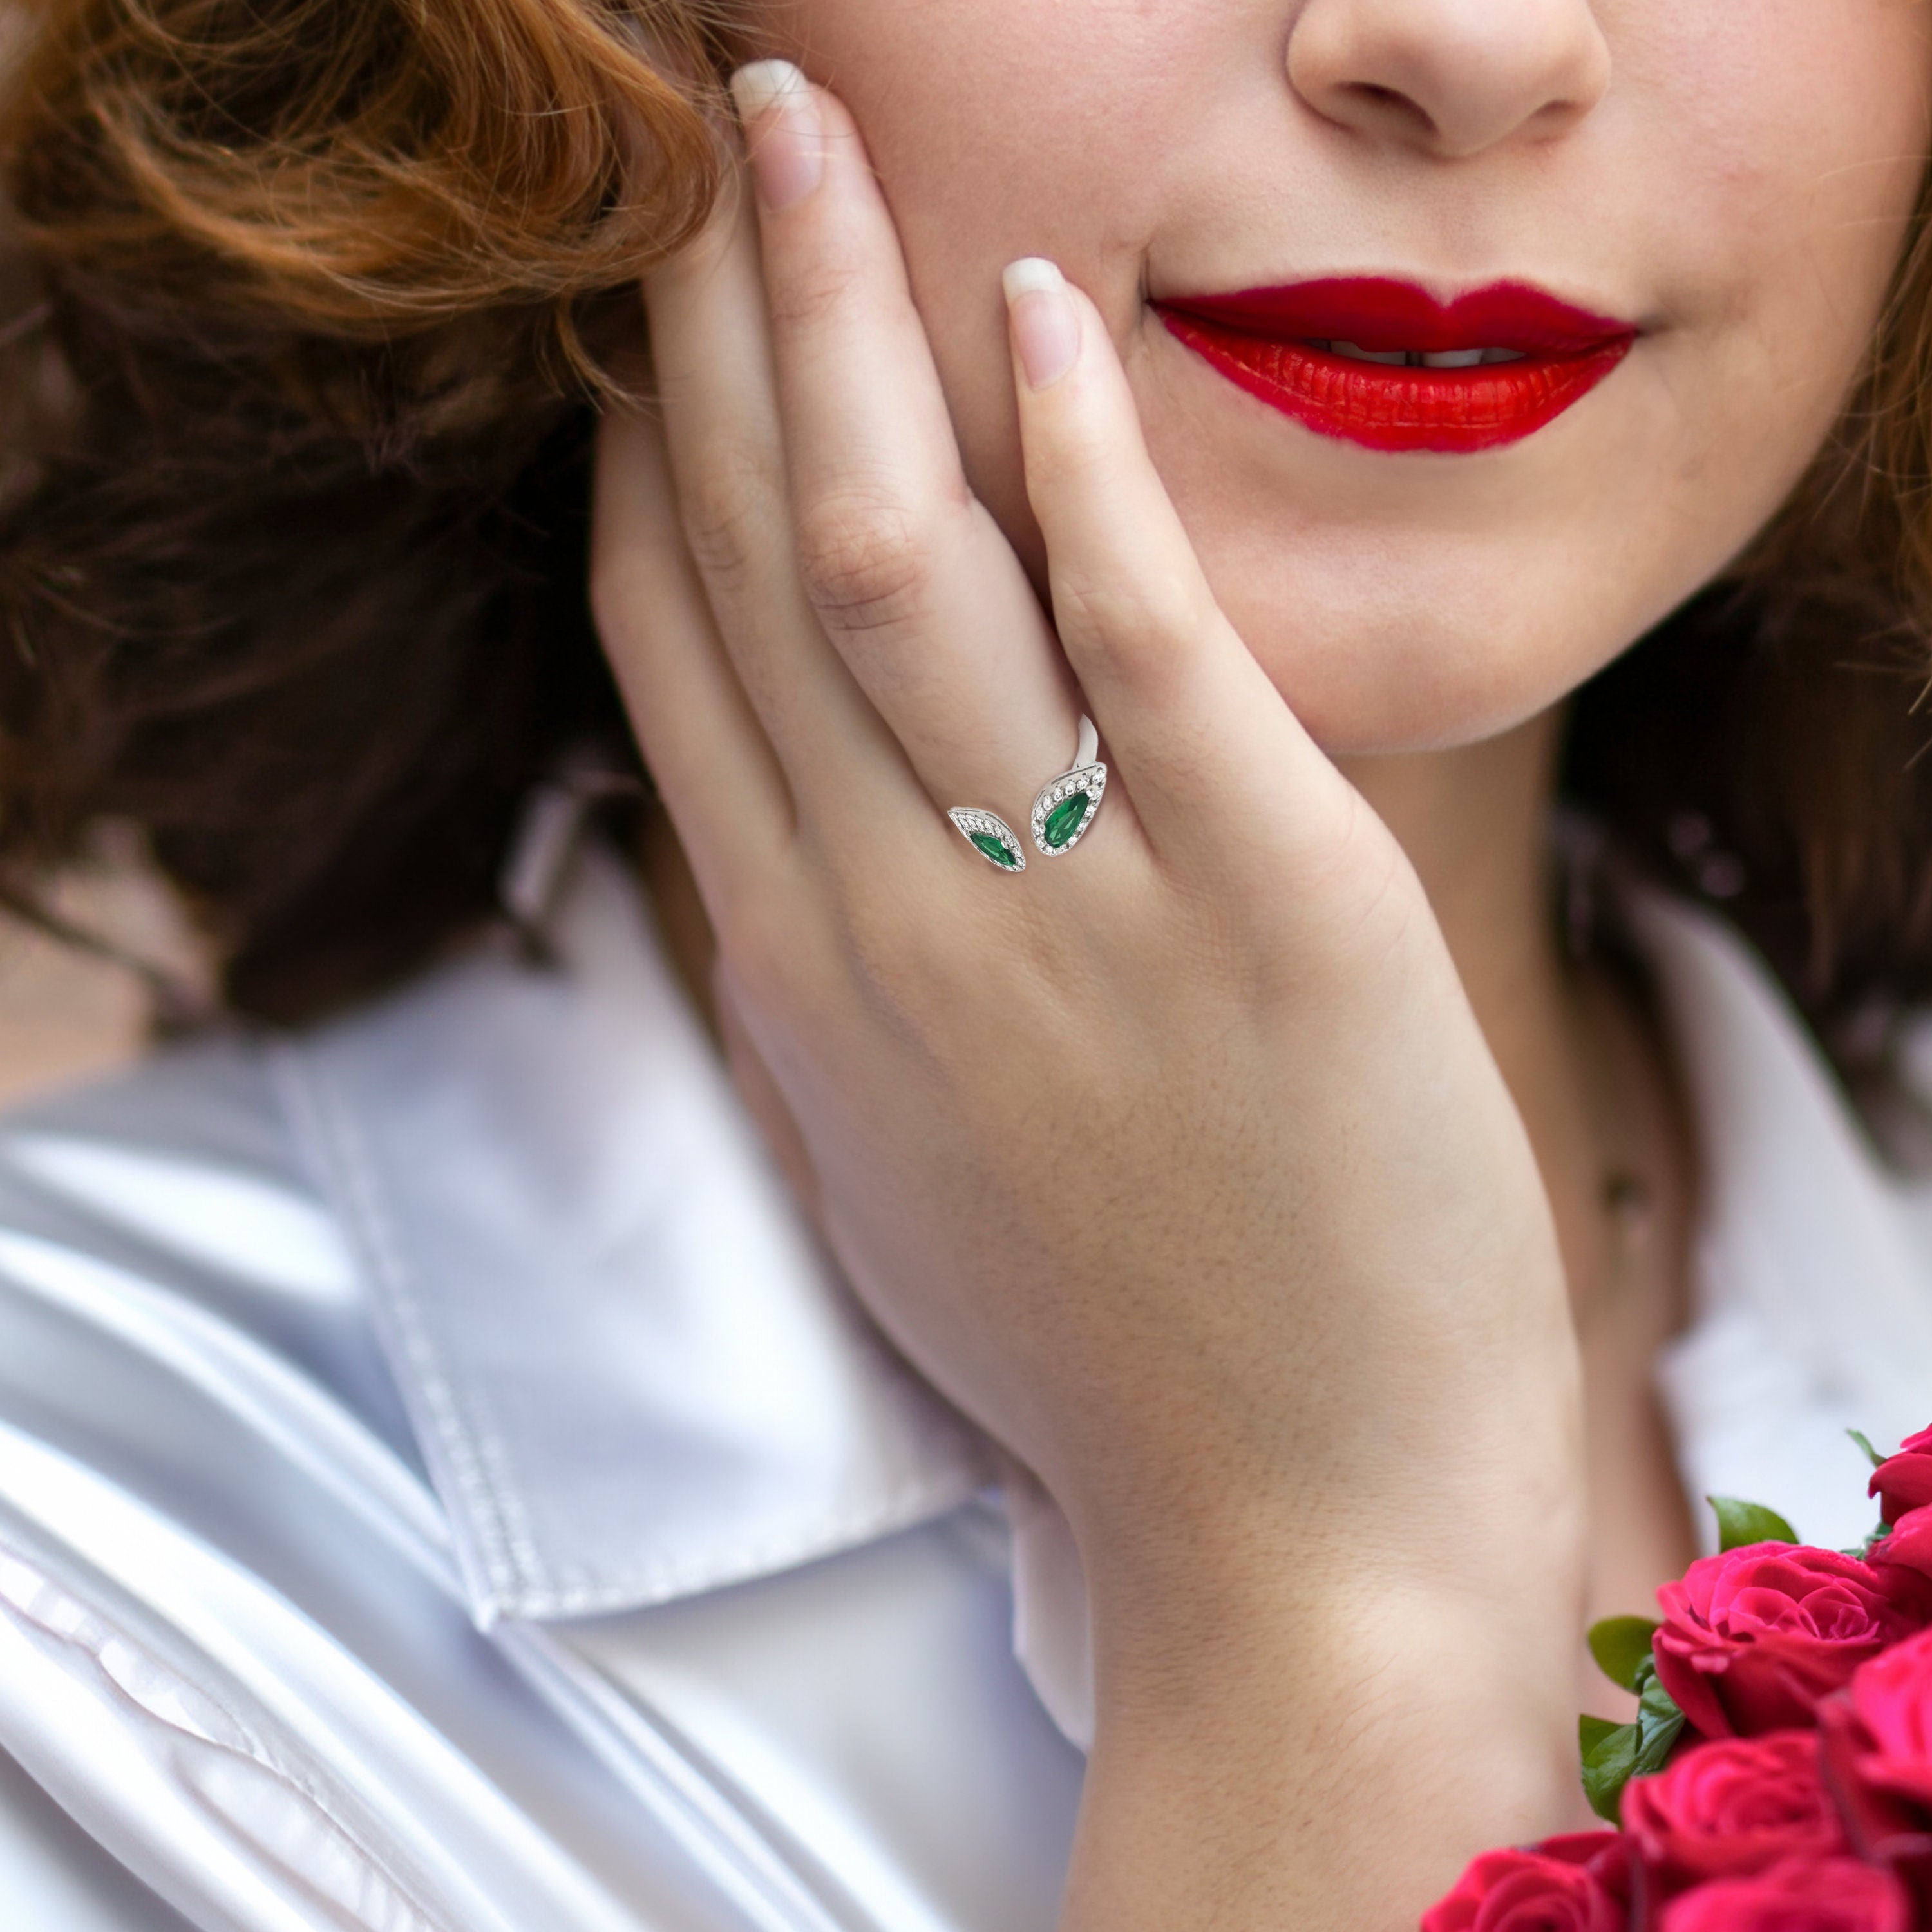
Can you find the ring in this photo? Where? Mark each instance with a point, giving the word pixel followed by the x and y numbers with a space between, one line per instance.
pixel 990 836
pixel 1064 812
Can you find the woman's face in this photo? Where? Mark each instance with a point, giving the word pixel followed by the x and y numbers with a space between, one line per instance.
pixel 1720 188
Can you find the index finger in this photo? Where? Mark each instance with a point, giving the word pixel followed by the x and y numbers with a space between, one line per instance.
pixel 915 582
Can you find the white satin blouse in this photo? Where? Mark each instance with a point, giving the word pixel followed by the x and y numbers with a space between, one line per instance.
pixel 442 1489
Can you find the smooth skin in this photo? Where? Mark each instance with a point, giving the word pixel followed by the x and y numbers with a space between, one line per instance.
pixel 1238 1172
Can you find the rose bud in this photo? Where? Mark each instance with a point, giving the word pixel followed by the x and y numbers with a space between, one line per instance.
pixel 1576 1883
pixel 1904 1482
pixel 1731 1808
pixel 1752 1639
pixel 1799 1895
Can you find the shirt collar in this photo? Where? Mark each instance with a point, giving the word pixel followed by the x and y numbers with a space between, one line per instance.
pixel 633 1375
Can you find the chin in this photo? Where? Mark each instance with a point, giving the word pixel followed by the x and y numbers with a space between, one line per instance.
pixel 1382 644
pixel 1419 601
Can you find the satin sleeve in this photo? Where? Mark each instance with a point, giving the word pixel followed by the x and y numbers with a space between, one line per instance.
pixel 52 1875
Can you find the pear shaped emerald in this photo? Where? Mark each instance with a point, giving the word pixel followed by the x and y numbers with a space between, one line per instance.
pixel 1066 819
pixel 995 848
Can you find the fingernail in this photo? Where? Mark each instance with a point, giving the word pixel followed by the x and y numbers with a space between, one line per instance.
pixel 1045 324
pixel 782 129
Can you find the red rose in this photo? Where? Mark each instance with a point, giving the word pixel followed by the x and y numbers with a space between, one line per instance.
pixel 1733 1808
pixel 1577 1883
pixel 1752 1639
pixel 1875 1742
pixel 1892 1695
pixel 1800 1895
pixel 1908 1546
pixel 1904 1481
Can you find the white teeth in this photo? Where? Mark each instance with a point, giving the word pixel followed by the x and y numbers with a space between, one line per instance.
pixel 1414 358
pixel 1396 356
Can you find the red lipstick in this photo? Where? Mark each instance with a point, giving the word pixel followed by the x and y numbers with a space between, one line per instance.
pixel 1345 358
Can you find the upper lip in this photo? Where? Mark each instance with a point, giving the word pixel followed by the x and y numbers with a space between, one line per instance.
pixel 1380 313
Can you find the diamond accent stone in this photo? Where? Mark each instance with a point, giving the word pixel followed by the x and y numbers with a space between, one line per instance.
pixel 990 836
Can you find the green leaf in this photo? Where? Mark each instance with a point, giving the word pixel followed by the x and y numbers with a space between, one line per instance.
pixel 1622 1647
pixel 1659 1725
pixel 1864 1441
pixel 1609 1757
pixel 1613 1754
pixel 1739 1523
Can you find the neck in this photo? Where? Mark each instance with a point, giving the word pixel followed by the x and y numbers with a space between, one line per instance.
pixel 1592 1085
pixel 1474 823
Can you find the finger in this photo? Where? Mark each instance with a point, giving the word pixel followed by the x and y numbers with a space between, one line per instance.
pixel 704 745
pixel 914 583
pixel 764 1101
pixel 711 358
pixel 1202 738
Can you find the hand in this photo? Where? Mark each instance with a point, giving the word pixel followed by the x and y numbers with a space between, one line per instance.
pixel 1179 1162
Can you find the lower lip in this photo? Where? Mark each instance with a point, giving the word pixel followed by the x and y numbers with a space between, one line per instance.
pixel 1454 412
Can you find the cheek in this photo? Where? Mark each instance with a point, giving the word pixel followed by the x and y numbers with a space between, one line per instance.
pixel 992 121
pixel 1789 138
pixel 1007 127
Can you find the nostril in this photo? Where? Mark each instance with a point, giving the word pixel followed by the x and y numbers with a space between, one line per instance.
pixel 1390 104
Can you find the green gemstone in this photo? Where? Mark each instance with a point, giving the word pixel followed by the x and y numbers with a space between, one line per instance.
pixel 1067 818
pixel 995 848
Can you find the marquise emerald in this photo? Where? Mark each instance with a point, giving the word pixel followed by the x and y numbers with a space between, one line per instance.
pixel 990 836
pixel 1067 818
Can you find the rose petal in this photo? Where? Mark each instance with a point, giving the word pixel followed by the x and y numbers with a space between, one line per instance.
pixel 1578 1882
pixel 1799 1895
pixel 1731 1808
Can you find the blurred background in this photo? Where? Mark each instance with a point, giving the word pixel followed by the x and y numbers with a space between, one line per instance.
pixel 65 1013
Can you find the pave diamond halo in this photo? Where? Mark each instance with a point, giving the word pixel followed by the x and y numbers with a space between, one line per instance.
pixel 990 836
pixel 1066 807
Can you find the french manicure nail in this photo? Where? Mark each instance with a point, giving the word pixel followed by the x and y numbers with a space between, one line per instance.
pixel 782 130
pixel 1046 326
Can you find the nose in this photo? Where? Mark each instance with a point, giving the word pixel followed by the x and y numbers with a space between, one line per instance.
pixel 1451 78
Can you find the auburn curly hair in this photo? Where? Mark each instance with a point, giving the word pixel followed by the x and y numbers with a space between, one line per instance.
pixel 310 302
pixel 305 309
